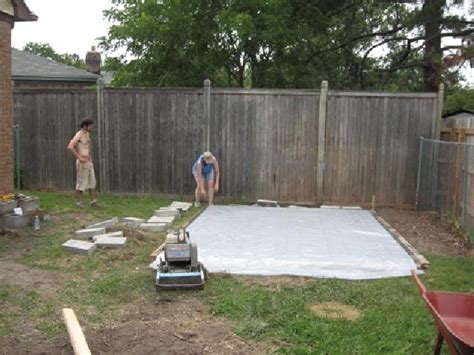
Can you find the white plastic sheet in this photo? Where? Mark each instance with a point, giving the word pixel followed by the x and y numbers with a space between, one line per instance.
pixel 318 242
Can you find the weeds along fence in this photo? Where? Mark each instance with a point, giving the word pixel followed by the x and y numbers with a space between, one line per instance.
pixel 307 146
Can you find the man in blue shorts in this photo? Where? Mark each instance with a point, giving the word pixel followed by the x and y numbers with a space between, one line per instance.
pixel 206 173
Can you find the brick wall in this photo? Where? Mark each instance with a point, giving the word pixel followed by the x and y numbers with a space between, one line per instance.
pixel 6 131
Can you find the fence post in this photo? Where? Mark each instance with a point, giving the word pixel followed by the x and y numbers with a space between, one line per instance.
pixel 440 111
pixel 207 114
pixel 465 177
pixel 418 178
pixel 100 122
pixel 323 97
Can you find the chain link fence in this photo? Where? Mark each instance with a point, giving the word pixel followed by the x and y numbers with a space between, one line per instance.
pixel 446 181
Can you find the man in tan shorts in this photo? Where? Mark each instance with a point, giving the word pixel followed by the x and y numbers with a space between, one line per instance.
pixel 80 147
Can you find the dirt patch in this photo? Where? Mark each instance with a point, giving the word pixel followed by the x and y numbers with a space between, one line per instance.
pixel 182 326
pixel 335 310
pixel 169 327
pixel 46 283
pixel 425 231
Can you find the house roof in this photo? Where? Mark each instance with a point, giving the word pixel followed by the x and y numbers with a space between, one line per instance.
pixel 31 67
pixel 459 113
pixel 22 12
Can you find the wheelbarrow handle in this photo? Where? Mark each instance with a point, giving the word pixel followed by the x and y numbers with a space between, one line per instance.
pixel 420 285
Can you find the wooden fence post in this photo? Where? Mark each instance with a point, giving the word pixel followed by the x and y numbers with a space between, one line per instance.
pixel 323 97
pixel 207 114
pixel 440 111
pixel 100 141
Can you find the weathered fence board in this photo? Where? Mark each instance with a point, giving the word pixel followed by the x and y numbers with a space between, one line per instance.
pixel 372 146
pixel 48 120
pixel 146 141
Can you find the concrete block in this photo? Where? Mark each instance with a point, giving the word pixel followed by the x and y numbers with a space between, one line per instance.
pixel 118 234
pixel 154 227
pixel 28 203
pixel 351 208
pixel 105 224
pixel 80 246
pixel 330 207
pixel 89 233
pixel 133 222
pixel 167 212
pixel 182 206
pixel 14 221
pixel 7 207
pixel 267 203
pixel 106 241
pixel 166 220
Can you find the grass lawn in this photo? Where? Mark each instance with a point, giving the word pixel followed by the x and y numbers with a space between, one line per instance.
pixel 390 315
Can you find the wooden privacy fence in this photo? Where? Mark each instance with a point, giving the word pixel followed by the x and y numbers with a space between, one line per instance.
pixel 307 146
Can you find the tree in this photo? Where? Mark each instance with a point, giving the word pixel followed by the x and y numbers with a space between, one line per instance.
pixel 283 43
pixel 45 50
pixel 459 99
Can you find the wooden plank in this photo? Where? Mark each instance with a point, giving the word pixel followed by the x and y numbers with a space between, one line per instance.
pixel 78 340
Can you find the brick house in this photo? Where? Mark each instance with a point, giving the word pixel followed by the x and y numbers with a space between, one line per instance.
pixel 33 71
pixel 11 11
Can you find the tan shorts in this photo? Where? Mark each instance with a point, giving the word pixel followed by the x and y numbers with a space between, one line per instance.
pixel 85 178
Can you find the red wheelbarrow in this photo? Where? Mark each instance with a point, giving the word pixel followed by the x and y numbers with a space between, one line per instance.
pixel 453 314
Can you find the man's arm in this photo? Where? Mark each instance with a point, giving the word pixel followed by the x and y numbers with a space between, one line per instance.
pixel 72 148
pixel 218 173
pixel 200 180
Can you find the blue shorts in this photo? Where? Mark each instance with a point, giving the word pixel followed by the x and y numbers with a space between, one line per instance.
pixel 206 177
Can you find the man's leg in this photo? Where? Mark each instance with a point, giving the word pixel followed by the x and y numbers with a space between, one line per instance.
pixel 79 198
pixel 81 176
pixel 92 195
pixel 210 191
pixel 197 194
pixel 92 184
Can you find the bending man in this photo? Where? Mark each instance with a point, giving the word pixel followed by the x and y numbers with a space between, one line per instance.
pixel 206 173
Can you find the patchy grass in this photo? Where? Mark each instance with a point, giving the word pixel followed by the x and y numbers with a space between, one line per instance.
pixel 393 318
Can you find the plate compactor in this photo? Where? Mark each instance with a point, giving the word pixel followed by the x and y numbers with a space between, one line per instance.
pixel 180 268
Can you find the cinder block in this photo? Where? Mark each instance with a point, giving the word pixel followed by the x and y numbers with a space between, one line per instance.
pixel 154 227
pixel 29 204
pixel 332 207
pixel 89 233
pixel 182 206
pixel 105 241
pixel 105 224
pixel 351 208
pixel 167 212
pixel 166 220
pixel 118 234
pixel 7 207
pixel 80 246
pixel 267 203
pixel 15 221
pixel 133 222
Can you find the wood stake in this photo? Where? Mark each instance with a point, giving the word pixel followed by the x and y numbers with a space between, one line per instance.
pixel 78 340
pixel 373 202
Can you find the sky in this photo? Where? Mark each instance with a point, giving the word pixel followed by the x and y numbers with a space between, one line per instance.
pixel 70 26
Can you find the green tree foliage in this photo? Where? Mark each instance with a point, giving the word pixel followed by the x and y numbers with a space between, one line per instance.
pixel 459 99
pixel 281 43
pixel 45 50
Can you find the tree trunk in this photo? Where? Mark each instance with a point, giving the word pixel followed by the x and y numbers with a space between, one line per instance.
pixel 432 71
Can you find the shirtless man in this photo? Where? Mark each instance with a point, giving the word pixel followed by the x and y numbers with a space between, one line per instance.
pixel 80 147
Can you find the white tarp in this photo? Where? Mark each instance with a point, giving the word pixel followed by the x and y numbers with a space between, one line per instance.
pixel 318 242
